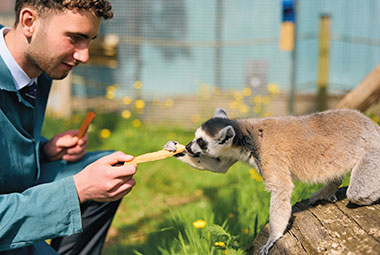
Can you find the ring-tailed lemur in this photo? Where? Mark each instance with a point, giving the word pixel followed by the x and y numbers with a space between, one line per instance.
pixel 315 148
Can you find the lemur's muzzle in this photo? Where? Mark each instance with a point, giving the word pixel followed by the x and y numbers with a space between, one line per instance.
pixel 188 148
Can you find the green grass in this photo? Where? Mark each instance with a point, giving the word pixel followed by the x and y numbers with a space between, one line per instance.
pixel 157 216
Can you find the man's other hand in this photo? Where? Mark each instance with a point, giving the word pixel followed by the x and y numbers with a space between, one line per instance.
pixel 66 146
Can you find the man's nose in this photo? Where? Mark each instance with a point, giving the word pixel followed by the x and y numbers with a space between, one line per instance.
pixel 81 55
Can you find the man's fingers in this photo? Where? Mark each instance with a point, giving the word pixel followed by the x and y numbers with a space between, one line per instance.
pixel 116 157
pixel 66 141
pixel 123 189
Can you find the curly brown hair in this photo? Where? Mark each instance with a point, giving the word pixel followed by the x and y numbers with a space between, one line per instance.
pixel 102 8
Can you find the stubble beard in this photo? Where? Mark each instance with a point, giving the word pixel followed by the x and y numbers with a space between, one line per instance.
pixel 38 55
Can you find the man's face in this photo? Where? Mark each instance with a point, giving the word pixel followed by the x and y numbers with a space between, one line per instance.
pixel 61 41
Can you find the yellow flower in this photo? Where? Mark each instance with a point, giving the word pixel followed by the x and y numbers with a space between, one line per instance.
pixel 234 104
pixel 246 231
pixel 376 119
pixel 105 133
pixel 258 99
pixel 199 224
pixel 273 88
pixel 126 114
pixel 136 123
pixel 238 96
pixel 111 88
pixel 247 92
pixel 257 108
pixel 231 215
pixel 220 244
pixel 244 108
pixel 138 84
pixel 169 103
pixel 255 175
pixel 110 94
pixel 127 100
pixel 140 104
pixel 216 91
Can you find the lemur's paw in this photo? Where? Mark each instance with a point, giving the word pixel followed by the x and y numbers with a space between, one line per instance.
pixel 264 250
pixel 315 199
pixel 171 146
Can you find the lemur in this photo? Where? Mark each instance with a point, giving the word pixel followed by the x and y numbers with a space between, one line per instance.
pixel 315 148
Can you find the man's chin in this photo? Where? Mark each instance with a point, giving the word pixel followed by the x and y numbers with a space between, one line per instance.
pixel 56 76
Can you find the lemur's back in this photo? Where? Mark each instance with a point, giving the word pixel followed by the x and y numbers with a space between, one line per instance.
pixel 322 144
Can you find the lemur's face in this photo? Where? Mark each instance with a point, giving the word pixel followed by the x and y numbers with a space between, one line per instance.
pixel 213 146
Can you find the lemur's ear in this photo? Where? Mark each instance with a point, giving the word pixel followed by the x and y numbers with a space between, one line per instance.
pixel 226 134
pixel 220 113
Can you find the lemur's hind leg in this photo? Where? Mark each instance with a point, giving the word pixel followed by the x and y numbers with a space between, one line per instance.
pixel 364 186
pixel 327 192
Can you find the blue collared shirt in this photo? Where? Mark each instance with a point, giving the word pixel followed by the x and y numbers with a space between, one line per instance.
pixel 20 78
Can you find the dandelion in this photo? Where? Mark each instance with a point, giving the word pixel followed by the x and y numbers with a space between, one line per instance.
pixel 231 215
pixel 136 123
pixel 246 92
pixel 255 175
pixel 220 244
pixel 238 96
pixel 110 94
pixel 273 88
pixel 169 103
pixel 258 99
pixel 246 231
pixel 140 104
pixel 216 91
pixel 376 119
pixel 105 133
pixel 126 114
pixel 199 224
pixel 138 84
pixel 234 104
pixel 244 108
pixel 257 109
pixel 127 100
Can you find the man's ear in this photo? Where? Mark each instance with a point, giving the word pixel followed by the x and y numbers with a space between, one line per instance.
pixel 27 21
pixel 226 134
pixel 220 113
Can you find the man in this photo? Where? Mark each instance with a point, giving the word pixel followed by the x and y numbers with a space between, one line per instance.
pixel 71 200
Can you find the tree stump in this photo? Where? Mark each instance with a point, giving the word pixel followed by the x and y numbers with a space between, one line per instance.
pixel 328 228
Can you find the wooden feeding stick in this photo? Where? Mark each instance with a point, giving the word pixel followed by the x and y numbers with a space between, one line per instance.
pixel 82 131
pixel 85 124
pixel 152 156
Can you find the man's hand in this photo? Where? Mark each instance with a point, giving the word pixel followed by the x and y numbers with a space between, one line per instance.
pixel 104 180
pixel 66 146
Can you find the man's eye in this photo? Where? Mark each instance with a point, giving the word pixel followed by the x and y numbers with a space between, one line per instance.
pixel 201 143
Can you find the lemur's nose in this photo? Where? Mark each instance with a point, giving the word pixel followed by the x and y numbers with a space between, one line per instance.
pixel 188 147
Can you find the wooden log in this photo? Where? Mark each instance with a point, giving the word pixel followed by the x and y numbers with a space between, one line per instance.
pixel 328 228
pixel 365 94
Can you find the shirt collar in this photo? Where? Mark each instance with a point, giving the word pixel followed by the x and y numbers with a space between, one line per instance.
pixel 20 78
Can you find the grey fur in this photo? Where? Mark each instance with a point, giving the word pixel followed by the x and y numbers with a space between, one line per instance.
pixel 315 148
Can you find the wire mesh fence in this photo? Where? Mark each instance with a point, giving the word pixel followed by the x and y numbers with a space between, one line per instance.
pixel 180 56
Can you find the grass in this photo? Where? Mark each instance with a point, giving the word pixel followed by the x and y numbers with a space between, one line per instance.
pixel 157 216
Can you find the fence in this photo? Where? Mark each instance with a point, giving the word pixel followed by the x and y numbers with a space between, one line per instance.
pixel 195 54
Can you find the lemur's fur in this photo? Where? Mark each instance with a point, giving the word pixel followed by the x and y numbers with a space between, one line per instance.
pixel 315 148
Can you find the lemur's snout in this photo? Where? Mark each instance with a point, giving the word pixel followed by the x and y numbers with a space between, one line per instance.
pixel 188 147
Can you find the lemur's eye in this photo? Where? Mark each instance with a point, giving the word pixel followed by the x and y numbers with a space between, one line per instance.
pixel 202 143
